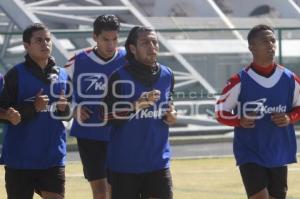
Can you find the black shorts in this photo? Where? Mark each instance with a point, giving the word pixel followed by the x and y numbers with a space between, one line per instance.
pixel 22 183
pixel 156 184
pixel 93 158
pixel 256 178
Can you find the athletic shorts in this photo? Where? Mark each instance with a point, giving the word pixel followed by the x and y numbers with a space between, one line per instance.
pixel 157 184
pixel 256 178
pixel 22 183
pixel 93 158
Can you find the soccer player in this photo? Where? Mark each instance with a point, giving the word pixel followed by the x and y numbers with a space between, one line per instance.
pixel 262 103
pixel 140 109
pixel 90 70
pixel 34 150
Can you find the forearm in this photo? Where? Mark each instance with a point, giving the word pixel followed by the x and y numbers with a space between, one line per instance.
pixel 294 115
pixel 9 97
pixel 65 115
pixel 26 110
pixel 227 118
pixel 119 115
pixel 3 116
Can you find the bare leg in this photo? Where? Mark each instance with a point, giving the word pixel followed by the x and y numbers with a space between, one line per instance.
pixel 263 194
pixel 99 188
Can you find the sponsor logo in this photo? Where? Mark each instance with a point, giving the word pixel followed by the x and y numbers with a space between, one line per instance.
pixel 260 107
pixel 145 113
pixel 92 81
pixel 29 99
pixel 96 82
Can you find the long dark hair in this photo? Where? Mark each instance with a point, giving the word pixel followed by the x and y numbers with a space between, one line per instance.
pixel 133 37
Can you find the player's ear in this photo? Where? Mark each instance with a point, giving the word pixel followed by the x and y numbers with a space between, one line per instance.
pixel 95 37
pixel 25 44
pixel 250 47
pixel 132 49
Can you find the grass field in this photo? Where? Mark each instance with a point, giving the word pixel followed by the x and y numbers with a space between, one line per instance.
pixel 211 178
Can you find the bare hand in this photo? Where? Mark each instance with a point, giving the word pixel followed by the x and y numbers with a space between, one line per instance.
pixel 147 99
pixel 82 113
pixel 248 121
pixel 41 101
pixel 171 115
pixel 62 102
pixel 13 116
pixel 280 119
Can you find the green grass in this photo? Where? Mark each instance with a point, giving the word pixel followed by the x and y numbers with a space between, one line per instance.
pixel 212 178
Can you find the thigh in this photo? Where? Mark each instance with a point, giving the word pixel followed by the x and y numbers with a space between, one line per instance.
pixel 125 185
pixel 158 184
pixel 255 178
pixel 93 158
pixel 278 182
pixel 51 181
pixel 19 184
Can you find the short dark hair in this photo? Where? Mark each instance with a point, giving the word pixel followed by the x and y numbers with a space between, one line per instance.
pixel 133 37
pixel 254 32
pixel 29 30
pixel 106 23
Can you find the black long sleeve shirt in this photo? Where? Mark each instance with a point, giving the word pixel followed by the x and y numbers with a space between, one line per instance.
pixel 9 94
